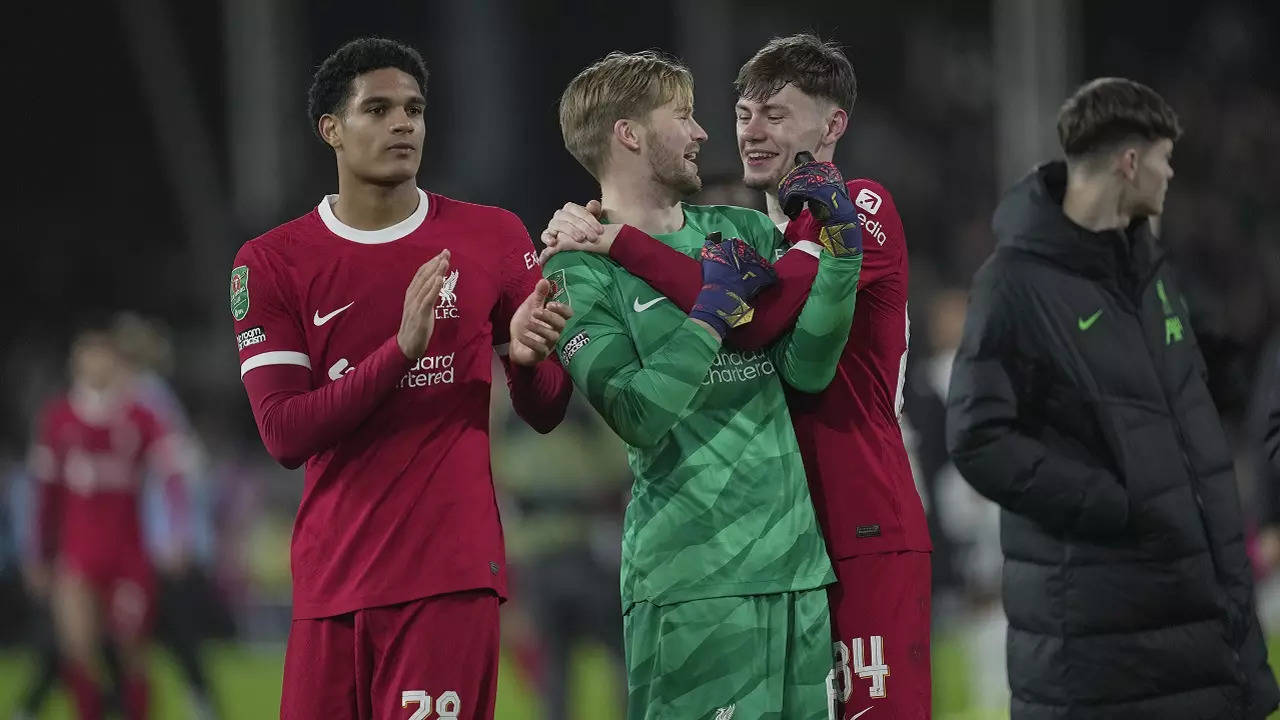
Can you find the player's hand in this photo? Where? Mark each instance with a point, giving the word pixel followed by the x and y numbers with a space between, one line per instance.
pixel 536 326
pixel 418 319
pixel 732 274
pixel 578 227
pixel 821 186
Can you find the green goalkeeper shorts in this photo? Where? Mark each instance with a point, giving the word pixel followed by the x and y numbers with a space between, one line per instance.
pixel 751 657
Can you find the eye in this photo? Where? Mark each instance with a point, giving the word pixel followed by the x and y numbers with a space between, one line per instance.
pixel 414 110
pixel 377 109
pixel 776 118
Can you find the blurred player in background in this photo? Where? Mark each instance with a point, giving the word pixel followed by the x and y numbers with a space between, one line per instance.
pixel 562 520
pixel 183 590
pixel 397 552
pixel 722 562
pixel 94 446
pixel 796 94
pixel 1079 404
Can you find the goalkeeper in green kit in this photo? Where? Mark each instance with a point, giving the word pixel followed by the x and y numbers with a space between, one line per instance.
pixel 723 565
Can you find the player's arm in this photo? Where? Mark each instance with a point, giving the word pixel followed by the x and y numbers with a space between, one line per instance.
pixel 45 463
pixel 167 455
pixel 679 277
pixel 640 399
pixel 985 433
pixel 525 330
pixel 295 419
pixel 807 356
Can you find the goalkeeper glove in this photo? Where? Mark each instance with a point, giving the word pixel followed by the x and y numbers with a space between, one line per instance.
pixel 732 274
pixel 822 188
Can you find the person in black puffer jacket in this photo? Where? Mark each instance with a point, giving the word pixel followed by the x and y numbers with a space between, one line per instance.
pixel 1078 402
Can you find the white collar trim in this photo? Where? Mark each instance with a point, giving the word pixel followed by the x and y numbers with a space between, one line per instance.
pixel 372 237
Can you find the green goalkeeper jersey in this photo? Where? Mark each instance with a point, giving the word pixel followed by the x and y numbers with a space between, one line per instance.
pixel 720 505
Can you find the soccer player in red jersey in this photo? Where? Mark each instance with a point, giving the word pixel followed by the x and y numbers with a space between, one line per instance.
pixel 383 393
pixel 795 95
pixel 93 447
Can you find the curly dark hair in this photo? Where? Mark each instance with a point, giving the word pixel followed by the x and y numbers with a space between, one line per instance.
pixel 331 85
pixel 818 68
pixel 1109 110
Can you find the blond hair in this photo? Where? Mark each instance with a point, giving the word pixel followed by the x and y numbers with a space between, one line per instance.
pixel 620 86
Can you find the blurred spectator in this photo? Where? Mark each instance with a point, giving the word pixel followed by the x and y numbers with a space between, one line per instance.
pixel 563 496
pixel 184 600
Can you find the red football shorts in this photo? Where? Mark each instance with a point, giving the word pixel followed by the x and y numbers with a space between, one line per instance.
pixel 880 616
pixel 125 589
pixel 430 659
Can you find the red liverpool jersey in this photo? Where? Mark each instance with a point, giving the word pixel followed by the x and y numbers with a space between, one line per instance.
pixel 849 434
pixel 398 503
pixel 90 456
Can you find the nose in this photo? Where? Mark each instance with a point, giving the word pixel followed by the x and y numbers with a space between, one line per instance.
pixel 401 122
pixel 699 135
pixel 752 129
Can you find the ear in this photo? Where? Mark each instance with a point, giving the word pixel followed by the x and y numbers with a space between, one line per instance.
pixel 331 130
pixel 1127 162
pixel 627 132
pixel 837 123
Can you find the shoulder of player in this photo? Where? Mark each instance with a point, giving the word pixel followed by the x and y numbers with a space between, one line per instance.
pixel 280 240
pixel 582 267
pixel 873 193
pixel 878 211
pixel 751 225
pixel 140 414
pixel 449 209
pixel 55 411
pixel 737 216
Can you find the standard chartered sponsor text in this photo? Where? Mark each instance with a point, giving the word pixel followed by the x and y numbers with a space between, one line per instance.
pixel 738 367
pixel 428 371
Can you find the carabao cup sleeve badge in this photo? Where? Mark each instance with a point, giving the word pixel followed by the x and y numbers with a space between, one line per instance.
pixel 240 292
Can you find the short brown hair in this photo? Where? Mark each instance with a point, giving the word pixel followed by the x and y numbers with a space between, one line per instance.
pixel 818 68
pixel 1109 110
pixel 620 86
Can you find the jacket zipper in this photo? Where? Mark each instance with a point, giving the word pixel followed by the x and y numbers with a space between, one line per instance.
pixel 1136 303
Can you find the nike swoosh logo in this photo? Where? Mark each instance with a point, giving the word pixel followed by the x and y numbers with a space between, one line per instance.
pixel 1086 323
pixel 641 307
pixel 864 712
pixel 322 319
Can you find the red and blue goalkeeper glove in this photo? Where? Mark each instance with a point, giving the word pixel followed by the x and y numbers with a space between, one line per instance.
pixel 821 186
pixel 732 274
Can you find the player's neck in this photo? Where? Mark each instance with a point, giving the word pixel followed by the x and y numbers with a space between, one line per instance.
pixel 645 205
pixel 365 206
pixel 1093 204
pixel 775 209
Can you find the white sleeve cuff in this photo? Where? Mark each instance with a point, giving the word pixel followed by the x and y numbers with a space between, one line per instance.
pixel 810 247
pixel 275 357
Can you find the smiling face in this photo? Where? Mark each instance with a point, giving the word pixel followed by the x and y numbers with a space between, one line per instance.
pixel 379 134
pixel 673 139
pixel 771 132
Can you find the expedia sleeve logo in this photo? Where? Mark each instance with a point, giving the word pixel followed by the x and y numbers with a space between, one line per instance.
pixel 252 336
pixel 576 343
